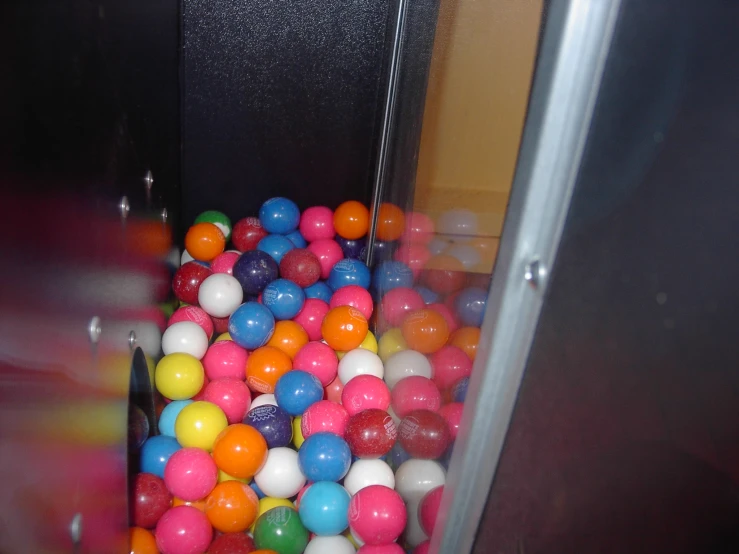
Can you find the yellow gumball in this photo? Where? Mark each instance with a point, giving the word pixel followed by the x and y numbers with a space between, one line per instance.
pixel 179 376
pixel 348 535
pixel 198 425
pixel 223 476
pixel 369 343
pixel 390 342
pixel 222 337
pixel 298 438
pixel 267 503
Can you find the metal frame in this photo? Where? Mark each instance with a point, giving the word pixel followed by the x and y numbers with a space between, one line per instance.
pixel 575 45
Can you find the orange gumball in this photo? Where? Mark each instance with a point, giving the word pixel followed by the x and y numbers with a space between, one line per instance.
pixel 351 220
pixel 288 337
pixel 198 504
pixel 264 367
pixel 232 507
pixel 262 551
pixel 390 222
pixel 466 339
pixel 204 241
pixel 142 541
pixel 240 450
pixel 425 331
pixel 344 328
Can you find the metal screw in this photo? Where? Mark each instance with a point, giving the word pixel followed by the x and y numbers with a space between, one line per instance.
pixel 164 215
pixel 534 273
pixel 124 207
pixel 149 180
pixel 132 340
pixel 94 330
pixel 75 529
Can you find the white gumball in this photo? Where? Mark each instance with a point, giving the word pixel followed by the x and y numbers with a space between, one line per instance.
pixel 364 473
pixel 220 294
pixel 414 478
pixel 405 364
pixel 280 477
pixel 414 534
pixel 360 362
pixel 465 253
pixel 185 337
pixel 457 222
pixel 263 400
pixel 437 245
pixel 335 544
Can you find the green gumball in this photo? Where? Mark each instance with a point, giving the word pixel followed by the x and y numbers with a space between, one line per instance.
pixel 281 530
pixel 219 219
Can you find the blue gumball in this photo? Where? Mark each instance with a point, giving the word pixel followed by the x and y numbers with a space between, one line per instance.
pixel 169 415
pixel 324 457
pixel 254 270
pixel 470 305
pixel 459 389
pixel 283 298
pixel 251 325
pixel 390 275
pixel 324 508
pixel 398 455
pixel 156 453
pixel 297 239
pixel 274 424
pixel 279 215
pixel 319 290
pixel 298 390
pixel 356 249
pixel 349 272
pixel 276 246
pixel 429 296
pixel 256 489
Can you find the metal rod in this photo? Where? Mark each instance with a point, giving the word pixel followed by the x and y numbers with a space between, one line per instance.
pixel 388 121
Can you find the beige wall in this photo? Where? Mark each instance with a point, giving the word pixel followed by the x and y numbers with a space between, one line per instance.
pixel 476 102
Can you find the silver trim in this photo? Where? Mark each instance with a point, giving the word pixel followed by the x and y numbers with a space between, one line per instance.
pixel 575 45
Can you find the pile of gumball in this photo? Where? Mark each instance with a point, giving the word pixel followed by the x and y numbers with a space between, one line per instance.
pixel 287 426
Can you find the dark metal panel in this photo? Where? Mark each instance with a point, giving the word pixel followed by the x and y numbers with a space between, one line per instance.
pixel 625 436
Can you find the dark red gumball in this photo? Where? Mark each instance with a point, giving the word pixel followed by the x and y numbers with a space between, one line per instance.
pixel 247 233
pixel 371 433
pixel 424 434
pixel 444 274
pixel 149 500
pixel 300 266
pixel 220 325
pixel 232 543
pixel 187 281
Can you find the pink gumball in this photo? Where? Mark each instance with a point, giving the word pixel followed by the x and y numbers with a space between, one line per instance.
pixel 318 359
pixel 398 302
pixel 324 417
pixel 355 296
pixel 225 359
pixel 224 262
pixel 390 548
pixel 328 252
pixel 194 314
pixel 419 228
pixel 428 509
pixel 317 223
pixel 449 317
pixel 449 365
pixel 183 530
pixel 311 316
pixel 453 415
pixel 414 256
pixel 333 390
pixel 377 515
pixel 230 395
pixel 415 393
pixel 364 392
pixel 423 548
pixel 190 474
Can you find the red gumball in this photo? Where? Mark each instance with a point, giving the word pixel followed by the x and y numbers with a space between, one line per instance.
pixel 424 434
pixel 324 417
pixel 364 392
pixel 449 365
pixel 428 509
pixel 220 324
pixel 187 280
pixel 201 393
pixel 300 266
pixel 444 274
pixel 232 543
pixel 150 500
pixel 371 433
pixel 333 390
pixel 399 302
pixel 452 413
pixel 310 317
pixel 415 393
pixel 247 233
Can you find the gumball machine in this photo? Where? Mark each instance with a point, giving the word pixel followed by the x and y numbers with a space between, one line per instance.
pixel 421 276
